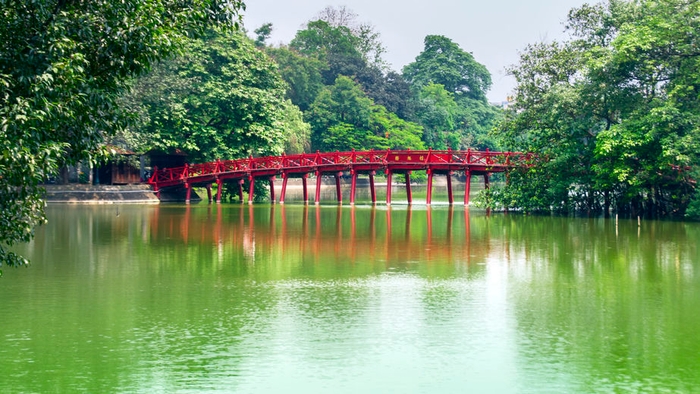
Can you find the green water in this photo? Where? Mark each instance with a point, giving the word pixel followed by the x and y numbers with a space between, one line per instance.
pixel 261 299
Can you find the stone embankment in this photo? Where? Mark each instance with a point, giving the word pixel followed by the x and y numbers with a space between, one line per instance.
pixel 100 194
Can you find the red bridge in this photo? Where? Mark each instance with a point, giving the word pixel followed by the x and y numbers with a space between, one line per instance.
pixel 336 163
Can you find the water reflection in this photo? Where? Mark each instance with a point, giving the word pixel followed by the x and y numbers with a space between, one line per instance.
pixel 397 237
pixel 347 299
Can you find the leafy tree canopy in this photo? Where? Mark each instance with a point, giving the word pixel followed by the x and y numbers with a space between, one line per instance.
pixel 343 118
pixel 62 65
pixel 443 62
pixel 616 109
pixel 223 99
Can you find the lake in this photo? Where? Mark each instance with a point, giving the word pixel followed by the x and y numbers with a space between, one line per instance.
pixel 343 299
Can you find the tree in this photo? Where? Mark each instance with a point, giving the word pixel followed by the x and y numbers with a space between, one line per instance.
pixel 344 118
pixel 335 46
pixel 443 62
pixel 438 113
pixel 223 99
pixel 302 74
pixel 62 66
pixel 452 105
pixel 263 33
pixel 615 110
pixel 368 39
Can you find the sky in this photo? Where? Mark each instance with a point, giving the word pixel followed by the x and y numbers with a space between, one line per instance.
pixel 494 31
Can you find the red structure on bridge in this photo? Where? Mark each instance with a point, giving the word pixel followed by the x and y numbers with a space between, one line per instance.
pixel 391 162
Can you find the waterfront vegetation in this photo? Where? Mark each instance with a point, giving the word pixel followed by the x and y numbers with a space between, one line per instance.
pixel 612 111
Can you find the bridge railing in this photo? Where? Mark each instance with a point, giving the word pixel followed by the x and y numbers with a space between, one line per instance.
pixel 312 161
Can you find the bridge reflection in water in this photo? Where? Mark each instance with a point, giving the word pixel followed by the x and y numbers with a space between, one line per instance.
pixel 322 234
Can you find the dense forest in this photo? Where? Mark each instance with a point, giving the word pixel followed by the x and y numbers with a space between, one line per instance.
pixel 612 111
pixel 231 94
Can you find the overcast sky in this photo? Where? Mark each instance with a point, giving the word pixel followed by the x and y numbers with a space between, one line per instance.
pixel 493 31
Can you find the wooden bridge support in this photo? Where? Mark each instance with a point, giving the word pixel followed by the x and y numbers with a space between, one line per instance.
pixel 388 187
pixel 219 186
pixel 188 192
pixel 353 186
pixel 338 192
pixel 304 188
pixel 450 197
pixel 429 192
pixel 467 187
pixel 271 180
pixel 240 189
pixel 208 186
pixel 317 199
pixel 372 191
pixel 409 196
pixel 284 187
pixel 251 189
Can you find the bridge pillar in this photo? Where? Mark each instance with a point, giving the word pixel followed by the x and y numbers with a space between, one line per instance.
pixel 209 192
pixel 353 186
pixel 429 192
pixel 284 187
pixel 188 193
pixel 317 196
pixel 272 189
pixel 338 193
pixel 486 181
pixel 409 196
pixel 372 192
pixel 450 198
pixel 251 189
pixel 388 187
pixel 304 188
pixel 240 190
pixel 219 186
pixel 467 186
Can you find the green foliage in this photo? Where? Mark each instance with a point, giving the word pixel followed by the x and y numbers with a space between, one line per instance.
pixel 443 62
pixel 451 86
pixel 455 124
pixel 263 33
pixel 62 67
pixel 615 110
pixel 335 46
pixel 302 74
pixel 343 118
pixel 298 132
pixel 223 100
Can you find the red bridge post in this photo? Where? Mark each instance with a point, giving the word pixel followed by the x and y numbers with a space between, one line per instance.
pixel 449 188
pixel 409 196
pixel 429 195
pixel 372 191
pixel 304 188
pixel 284 187
pixel 353 186
pixel 338 193
pixel 317 199
pixel 251 188
pixel 467 186
pixel 272 188
pixel 240 189
pixel 388 187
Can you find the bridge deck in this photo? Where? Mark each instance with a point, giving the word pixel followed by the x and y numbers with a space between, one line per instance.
pixel 470 162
